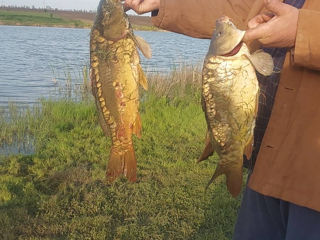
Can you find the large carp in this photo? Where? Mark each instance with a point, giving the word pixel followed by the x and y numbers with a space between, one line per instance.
pixel 230 92
pixel 116 74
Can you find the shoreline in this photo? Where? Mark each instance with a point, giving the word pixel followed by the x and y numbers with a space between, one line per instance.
pixel 135 27
pixel 42 25
pixel 63 19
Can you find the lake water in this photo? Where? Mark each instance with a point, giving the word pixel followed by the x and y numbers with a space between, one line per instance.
pixel 35 60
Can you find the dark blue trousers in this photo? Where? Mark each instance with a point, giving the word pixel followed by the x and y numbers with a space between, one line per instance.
pixel 267 218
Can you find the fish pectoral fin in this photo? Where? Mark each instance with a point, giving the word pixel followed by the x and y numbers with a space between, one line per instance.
pixel 248 149
pixel 142 78
pixel 262 62
pixel 208 150
pixel 137 126
pixel 143 46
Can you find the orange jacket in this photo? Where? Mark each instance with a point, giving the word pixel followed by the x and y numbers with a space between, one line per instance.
pixel 288 164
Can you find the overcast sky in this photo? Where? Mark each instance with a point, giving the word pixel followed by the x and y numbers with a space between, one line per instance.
pixel 61 4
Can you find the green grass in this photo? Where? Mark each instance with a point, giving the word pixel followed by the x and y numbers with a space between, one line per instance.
pixel 37 19
pixel 59 191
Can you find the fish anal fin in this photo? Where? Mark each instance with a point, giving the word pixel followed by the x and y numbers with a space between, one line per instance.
pixel 262 62
pixel 219 171
pixel 137 126
pixel 208 150
pixel 122 164
pixel 143 46
pixel 142 78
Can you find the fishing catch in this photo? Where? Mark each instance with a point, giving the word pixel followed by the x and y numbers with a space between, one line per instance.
pixel 115 74
pixel 230 92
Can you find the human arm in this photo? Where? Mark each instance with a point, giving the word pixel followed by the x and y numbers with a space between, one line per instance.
pixel 195 18
pixel 307 45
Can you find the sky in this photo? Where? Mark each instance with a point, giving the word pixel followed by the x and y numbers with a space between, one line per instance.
pixel 60 4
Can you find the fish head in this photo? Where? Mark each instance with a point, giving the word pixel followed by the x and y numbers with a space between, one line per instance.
pixel 226 37
pixel 111 20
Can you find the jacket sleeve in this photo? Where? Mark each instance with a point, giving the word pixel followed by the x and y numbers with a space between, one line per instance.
pixel 307 46
pixel 196 18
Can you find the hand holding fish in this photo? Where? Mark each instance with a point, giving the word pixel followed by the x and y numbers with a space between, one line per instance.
pixel 276 28
pixel 142 6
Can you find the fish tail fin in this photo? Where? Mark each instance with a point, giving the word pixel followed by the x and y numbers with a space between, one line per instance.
pixel 234 181
pixel 233 178
pixel 122 164
pixel 208 150
pixel 137 126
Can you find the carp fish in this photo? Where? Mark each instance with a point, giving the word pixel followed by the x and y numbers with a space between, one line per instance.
pixel 230 92
pixel 116 73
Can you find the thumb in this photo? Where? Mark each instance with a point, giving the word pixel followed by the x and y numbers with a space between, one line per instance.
pixel 256 33
pixel 276 6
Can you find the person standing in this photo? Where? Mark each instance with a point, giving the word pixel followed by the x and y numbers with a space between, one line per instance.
pixel 282 197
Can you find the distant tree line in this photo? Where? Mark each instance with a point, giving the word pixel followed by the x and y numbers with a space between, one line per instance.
pixel 47 8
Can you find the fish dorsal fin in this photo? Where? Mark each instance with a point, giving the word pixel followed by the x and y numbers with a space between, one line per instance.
pixel 262 62
pixel 142 78
pixel 143 46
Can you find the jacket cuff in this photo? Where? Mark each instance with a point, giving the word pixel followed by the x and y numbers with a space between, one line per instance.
pixel 307 45
pixel 158 15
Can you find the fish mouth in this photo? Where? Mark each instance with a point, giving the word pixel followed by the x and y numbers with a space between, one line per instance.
pixel 234 51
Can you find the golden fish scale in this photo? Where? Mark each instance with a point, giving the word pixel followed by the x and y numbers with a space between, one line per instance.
pixel 230 92
pixel 114 70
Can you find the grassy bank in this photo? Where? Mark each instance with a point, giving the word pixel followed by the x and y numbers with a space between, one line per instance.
pixel 58 18
pixel 38 19
pixel 59 191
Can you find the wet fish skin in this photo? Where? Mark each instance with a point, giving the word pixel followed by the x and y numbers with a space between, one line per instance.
pixel 230 92
pixel 116 74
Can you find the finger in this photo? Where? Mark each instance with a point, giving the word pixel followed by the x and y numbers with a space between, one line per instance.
pixel 276 7
pixel 141 6
pixel 259 19
pixel 133 3
pixel 260 32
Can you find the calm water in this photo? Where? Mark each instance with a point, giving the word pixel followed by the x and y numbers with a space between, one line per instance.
pixel 35 61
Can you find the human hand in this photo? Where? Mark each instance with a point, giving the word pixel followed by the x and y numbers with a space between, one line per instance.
pixel 276 28
pixel 142 6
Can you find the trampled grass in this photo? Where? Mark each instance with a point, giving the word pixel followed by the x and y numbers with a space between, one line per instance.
pixel 59 191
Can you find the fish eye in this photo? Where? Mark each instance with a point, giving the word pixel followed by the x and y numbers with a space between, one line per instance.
pixel 219 34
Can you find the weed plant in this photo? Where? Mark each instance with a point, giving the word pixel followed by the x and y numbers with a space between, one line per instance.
pixel 59 191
